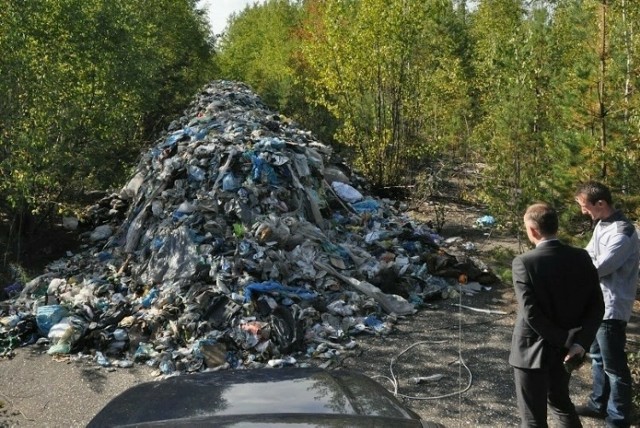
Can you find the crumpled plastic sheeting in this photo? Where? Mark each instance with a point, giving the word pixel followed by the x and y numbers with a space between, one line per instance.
pixel 238 241
pixel 174 257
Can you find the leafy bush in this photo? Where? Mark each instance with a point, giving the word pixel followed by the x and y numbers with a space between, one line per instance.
pixel 499 258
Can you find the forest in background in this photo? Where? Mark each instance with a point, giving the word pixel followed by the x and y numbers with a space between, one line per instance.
pixel 534 96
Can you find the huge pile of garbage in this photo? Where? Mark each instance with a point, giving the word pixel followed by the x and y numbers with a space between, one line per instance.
pixel 241 240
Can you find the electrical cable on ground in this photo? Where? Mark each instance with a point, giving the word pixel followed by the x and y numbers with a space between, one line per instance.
pixel 460 360
pixel 393 380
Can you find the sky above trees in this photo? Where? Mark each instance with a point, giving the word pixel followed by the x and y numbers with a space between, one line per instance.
pixel 219 11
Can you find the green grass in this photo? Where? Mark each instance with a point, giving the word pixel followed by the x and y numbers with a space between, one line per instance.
pixel 499 258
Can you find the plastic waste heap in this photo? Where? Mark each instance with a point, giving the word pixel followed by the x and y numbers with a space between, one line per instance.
pixel 240 241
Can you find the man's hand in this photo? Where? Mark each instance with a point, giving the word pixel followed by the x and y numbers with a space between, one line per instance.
pixel 574 358
pixel 572 332
pixel 575 350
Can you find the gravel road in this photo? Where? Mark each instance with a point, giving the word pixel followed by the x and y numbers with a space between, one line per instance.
pixel 37 390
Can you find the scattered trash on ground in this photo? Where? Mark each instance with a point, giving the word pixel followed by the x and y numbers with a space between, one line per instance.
pixel 240 241
pixel 486 221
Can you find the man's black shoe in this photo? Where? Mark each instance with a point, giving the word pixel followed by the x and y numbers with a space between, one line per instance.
pixel 589 412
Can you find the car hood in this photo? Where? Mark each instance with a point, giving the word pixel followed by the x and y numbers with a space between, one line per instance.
pixel 234 398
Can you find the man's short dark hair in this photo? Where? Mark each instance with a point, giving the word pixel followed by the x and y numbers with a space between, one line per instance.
pixel 594 191
pixel 544 217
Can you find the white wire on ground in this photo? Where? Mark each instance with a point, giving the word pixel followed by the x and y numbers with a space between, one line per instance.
pixel 460 360
pixel 394 381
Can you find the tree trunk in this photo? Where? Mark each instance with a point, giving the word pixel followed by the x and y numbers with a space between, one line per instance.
pixel 602 109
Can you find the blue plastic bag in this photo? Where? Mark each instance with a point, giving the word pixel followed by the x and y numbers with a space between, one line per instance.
pixel 49 315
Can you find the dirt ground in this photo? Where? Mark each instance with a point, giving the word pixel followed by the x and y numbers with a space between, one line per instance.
pixel 463 341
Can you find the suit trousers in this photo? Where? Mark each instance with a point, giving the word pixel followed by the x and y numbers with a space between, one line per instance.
pixel 535 388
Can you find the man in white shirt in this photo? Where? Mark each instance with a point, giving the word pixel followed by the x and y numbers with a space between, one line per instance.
pixel 615 251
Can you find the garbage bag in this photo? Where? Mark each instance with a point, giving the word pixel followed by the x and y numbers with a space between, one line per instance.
pixel 346 192
pixel 262 172
pixel 269 286
pixel 49 315
pixel 230 182
pixel 101 233
pixel 286 332
pixel 301 165
pixel 269 144
pixel 65 334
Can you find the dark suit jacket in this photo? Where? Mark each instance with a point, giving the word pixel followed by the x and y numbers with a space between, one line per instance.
pixel 557 288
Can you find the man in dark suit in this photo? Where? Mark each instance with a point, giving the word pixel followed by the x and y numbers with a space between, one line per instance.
pixel 560 307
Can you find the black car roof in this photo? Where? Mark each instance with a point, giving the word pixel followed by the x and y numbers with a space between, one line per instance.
pixel 276 395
